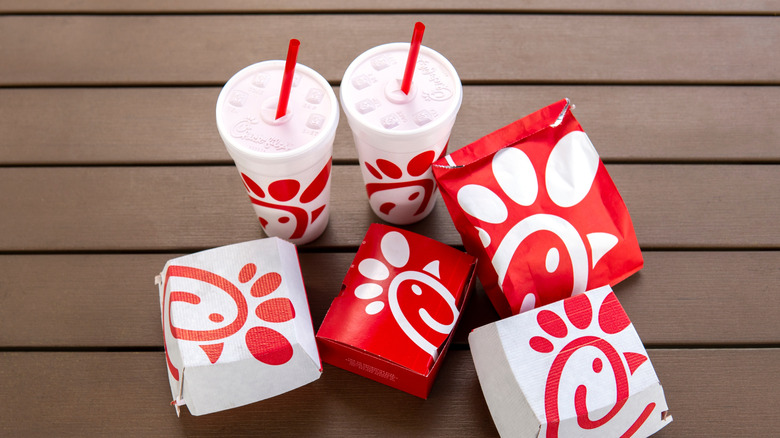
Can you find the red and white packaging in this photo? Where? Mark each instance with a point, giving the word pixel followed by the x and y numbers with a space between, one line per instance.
pixel 535 204
pixel 237 326
pixel 399 304
pixel 284 162
pixel 572 368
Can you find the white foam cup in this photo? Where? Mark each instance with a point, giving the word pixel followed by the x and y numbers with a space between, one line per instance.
pixel 284 163
pixel 399 135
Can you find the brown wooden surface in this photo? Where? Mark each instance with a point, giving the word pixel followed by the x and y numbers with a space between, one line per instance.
pixel 607 6
pixel 113 394
pixel 176 125
pixel 110 165
pixel 207 49
pixel 195 207
pixel 680 298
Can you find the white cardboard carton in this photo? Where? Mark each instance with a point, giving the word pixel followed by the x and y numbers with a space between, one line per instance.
pixel 572 368
pixel 237 326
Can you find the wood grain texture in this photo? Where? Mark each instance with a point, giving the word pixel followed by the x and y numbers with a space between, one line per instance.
pixel 103 301
pixel 208 49
pixel 110 165
pixel 221 6
pixel 110 394
pixel 176 125
pixel 185 208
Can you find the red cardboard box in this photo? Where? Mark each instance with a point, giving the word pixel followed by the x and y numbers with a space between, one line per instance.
pixel 399 304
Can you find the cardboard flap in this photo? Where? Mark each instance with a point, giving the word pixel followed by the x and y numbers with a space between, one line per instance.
pixel 508 405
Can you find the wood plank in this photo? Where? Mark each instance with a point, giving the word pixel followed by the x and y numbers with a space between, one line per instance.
pixel 224 6
pixel 186 208
pixel 90 300
pixel 111 394
pixel 202 49
pixel 176 125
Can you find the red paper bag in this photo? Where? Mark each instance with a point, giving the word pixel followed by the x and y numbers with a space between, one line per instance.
pixel 535 204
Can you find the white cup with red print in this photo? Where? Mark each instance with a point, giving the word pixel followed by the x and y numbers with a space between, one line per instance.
pixel 284 163
pixel 399 135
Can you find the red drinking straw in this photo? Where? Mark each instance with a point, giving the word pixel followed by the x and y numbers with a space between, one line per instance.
pixel 411 60
pixel 287 79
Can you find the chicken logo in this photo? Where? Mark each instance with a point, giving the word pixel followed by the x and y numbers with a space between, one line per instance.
pixel 215 310
pixel 284 208
pixel 579 341
pixel 395 278
pixel 543 221
pixel 401 196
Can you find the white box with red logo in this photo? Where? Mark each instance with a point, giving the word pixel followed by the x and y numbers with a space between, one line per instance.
pixel 236 325
pixel 571 368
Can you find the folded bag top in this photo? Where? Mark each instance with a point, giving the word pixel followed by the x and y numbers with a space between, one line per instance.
pixel 535 204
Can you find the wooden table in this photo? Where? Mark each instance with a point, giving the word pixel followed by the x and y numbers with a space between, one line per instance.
pixel 110 164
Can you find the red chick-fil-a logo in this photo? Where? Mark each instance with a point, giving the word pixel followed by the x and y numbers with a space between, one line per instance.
pixel 578 332
pixel 397 193
pixel 396 272
pixel 279 212
pixel 554 224
pixel 210 328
